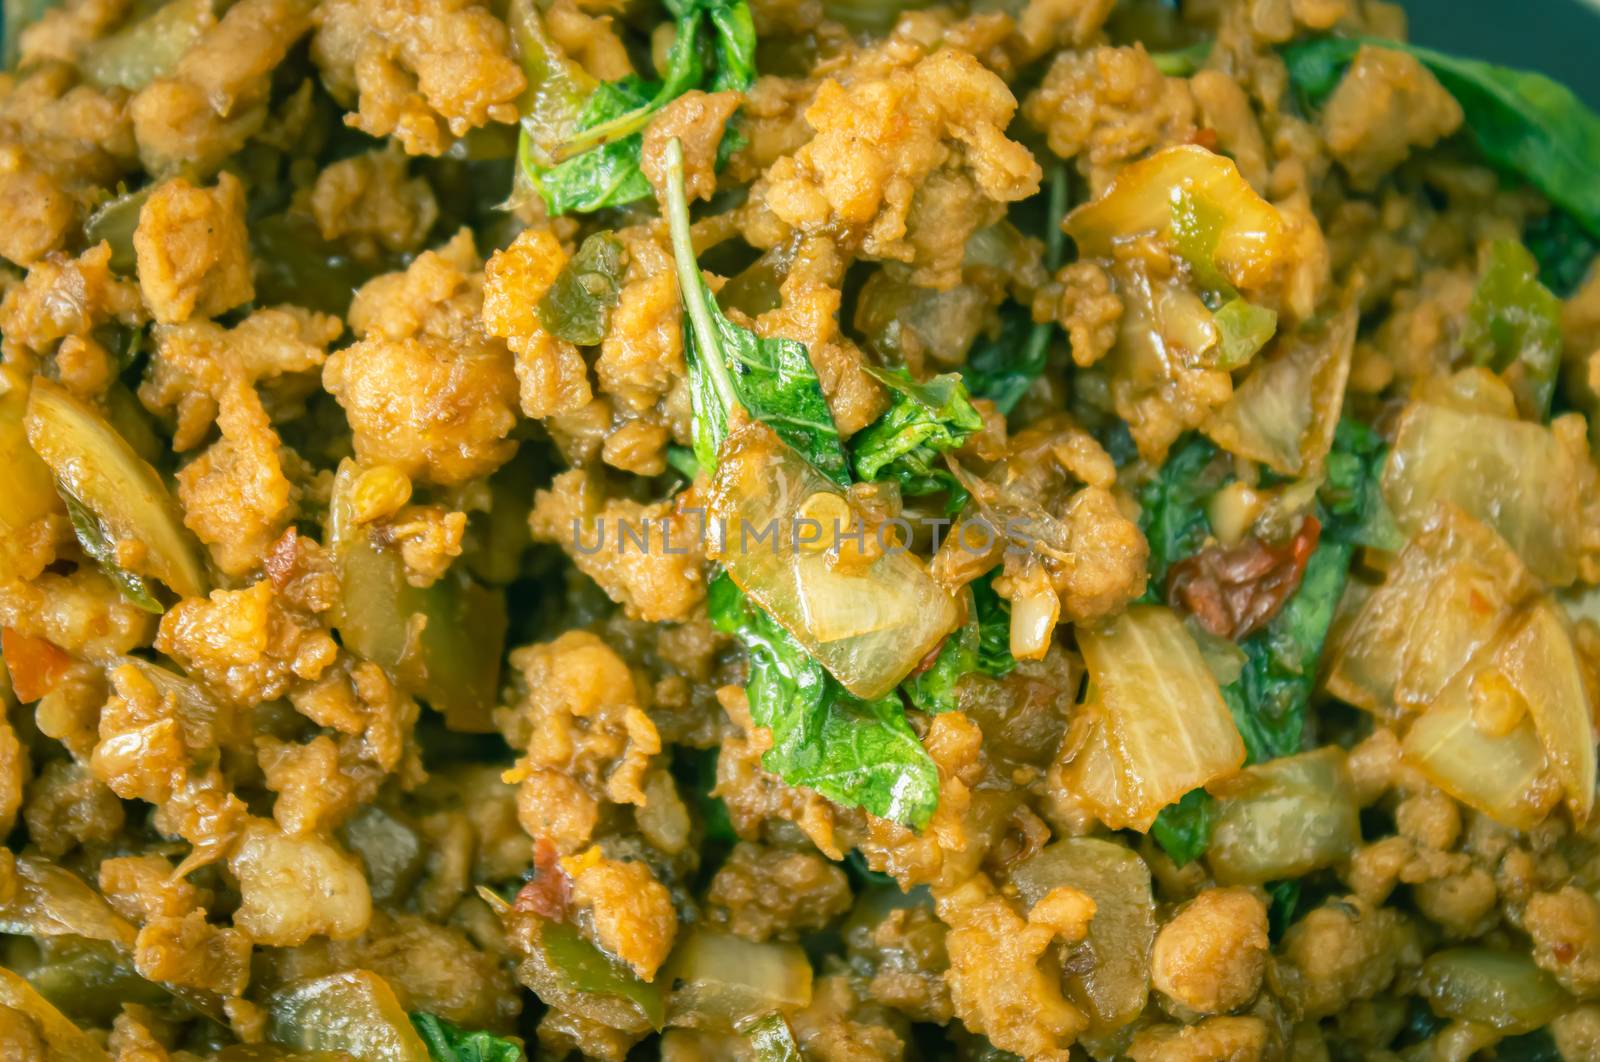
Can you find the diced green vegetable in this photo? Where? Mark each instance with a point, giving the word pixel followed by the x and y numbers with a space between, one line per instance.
pixel 1183 62
pixel 580 141
pixel 449 1043
pixel 720 981
pixel 114 222
pixel 1285 818
pixel 1499 988
pixel 588 969
pixel 1514 327
pixel 772 1040
pixel 453 661
pixel 859 753
pixel 1183 830
pixel 578 305
pixel 1522 122
pixel 118 497
pixel 355 1011
pixel 1114 987
pixel 147 48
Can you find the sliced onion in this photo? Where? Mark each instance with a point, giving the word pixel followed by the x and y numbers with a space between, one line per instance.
pixel 870 624
pixel 356 1012
pixel 1284 818
pixel 1112 989
pixel 1250 240
pixel 1442 598
pixel 1165 727
pixel 51 901
pixel 1499 988
pixel 720 981
pixel 1285 412
pixel 1539 660
pixel 65 1041
pixel 1035 611
pixel 97 467
pixel 148 48
pixel 1515 476
pixel 25 481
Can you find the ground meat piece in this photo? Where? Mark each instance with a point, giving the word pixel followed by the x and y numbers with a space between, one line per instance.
pixel 905 952
pixel 647 558
pixel 191 952
pixel 1344 950
pixel 424 71
pixel 1045 25
pixel 15 768
pixel 1577 1033
pixel 551 374
pixel 82 613
pixel 577 716
pixel 370 203
pixel 1225 110
pixel 235 496
pixel 65 297
pixel 996 984
pixel 1565 927
pixel 40 211
pixel 696 120
pixel 1213 1040
pixel 561 1033
pixel 217 97
pixel 629 911
pixel 246 643
pixel 641 357
pixel 143 888
pixel 193 250
pixel 753 796
pixel 66 807
pixel 1088 310
pixel 1107 106
pixel 294 888
pixel 1386 104
pixel 1210 957
pixel 883 140
pixel 1463 904
pixel 313 792
pixel 425 389
pixel 1108 558
pixel 838 1027
pixel 762 892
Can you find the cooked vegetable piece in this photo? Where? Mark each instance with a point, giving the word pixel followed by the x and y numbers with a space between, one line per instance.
pixel 980 644
pixel 51 901
pixel 1284 818
pixel 1539 662
pixel 117 495
pixel 66 1042
pixel 772 1040
pixel 1563 250
pixel 1183 830
pixel 25 480
pixel 1351 492
pixel 925 419
pixel 1172 512
pixel 355 1011
pixel 453 660
pixel 859 753
pixel 1514 476
pixel 720 981
pixel 578 305
pixel 448 1043
pixel 1247 237
pixel 1499 988
pixel 114 221
pixel 580 142
pixel 588 969
pixel 1241 326
pixel 1522 122
pixel 1514 326
pixel 147 48
pixel 1166 728
pixel 1114 985
pixel 294 264
pixel 1285 412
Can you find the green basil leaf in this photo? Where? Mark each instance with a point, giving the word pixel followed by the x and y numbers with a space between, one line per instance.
pixel 447 1042
pixel 1183 830
pixel 923 421
pixel 1563 250
pixel 100 545
pixel 578 305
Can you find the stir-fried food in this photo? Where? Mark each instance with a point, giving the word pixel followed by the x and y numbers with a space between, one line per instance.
pixel 793 529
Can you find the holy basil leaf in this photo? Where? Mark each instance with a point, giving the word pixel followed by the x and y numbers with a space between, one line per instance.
pixel 100 544
pixel 1172 512
pixel 1183 830
pixel 1514 326
pixel 579 145
pixel 854 752
pixel 1285 897
pixel 1522 122
pixel 1351 494
pixel 1562 249
pixel 994 628
pixel 982 644
pixel 447 1042
pixel 578 305
pixel 923 421
pixel 730 366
